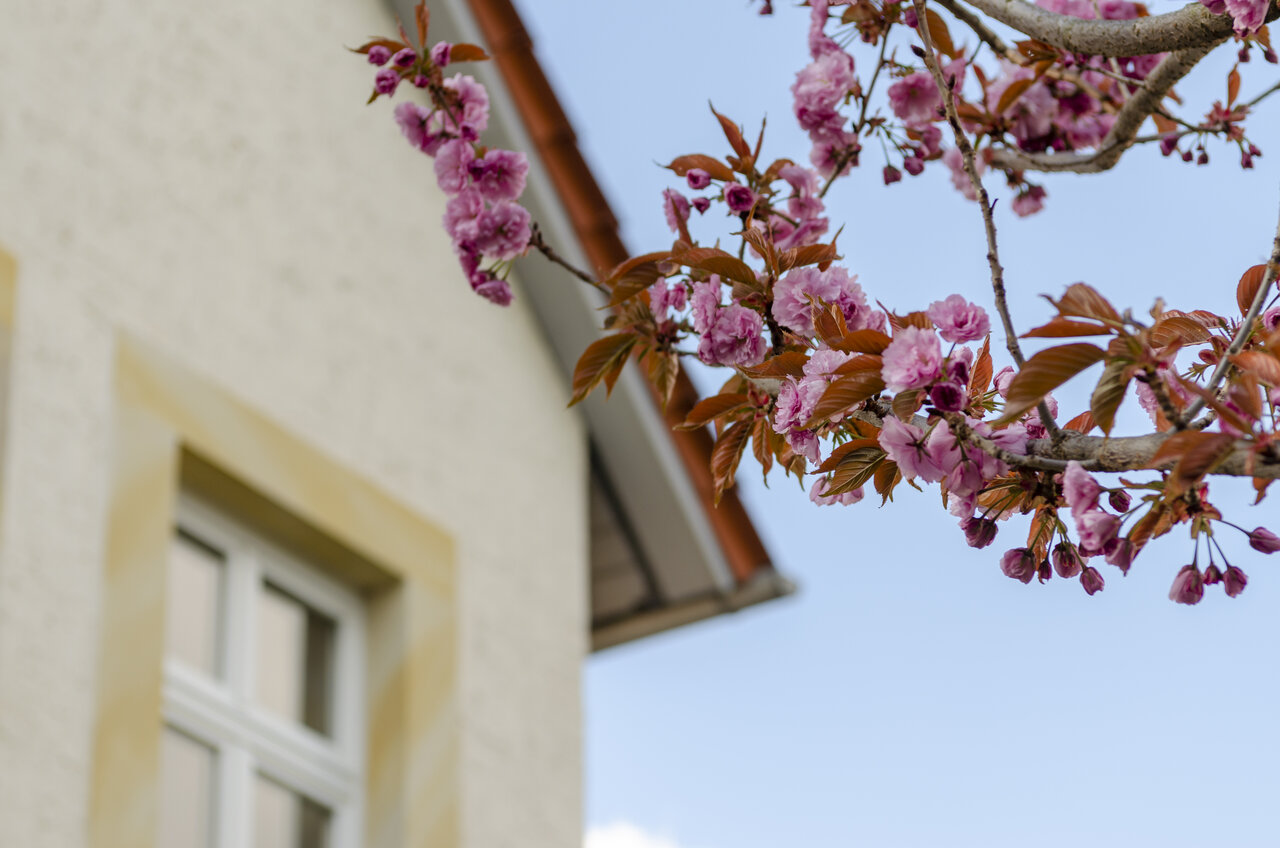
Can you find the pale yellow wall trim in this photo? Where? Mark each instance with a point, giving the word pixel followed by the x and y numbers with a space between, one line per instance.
pixel 404 564
pixel 130 672
pixel 8 287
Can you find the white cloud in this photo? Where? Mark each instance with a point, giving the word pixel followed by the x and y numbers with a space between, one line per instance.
pixel 624 835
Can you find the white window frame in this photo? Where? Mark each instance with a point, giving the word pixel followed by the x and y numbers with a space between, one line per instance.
pixel 247 738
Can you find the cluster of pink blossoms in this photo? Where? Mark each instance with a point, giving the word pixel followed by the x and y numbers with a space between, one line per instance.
pixel 482 217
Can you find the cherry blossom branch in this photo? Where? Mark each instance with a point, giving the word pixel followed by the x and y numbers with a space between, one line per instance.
pixel 1014 460
pixel 537 242
pixel 1124 131
pixel 1191 26
pixel 946 89
pixel 1242 334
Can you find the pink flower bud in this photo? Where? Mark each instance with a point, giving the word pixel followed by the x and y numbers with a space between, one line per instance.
pixel 440 53
pixel 1168 144
pixel 702 204
pixel 1043 571
pixel 1234 581
pixel 1212 575
pixel 891 175
pixel 1018 564
pixel 697 178
pixel 913 165
pixel 1264 540
pixel 1065 560
pixel 948 397
pixel 738 197
pixel 385 81
pixel 1120 500
pixel 1188 586
pixel 404 58
pixel 978 532
pixel 379 55
pixel 1092 581
pixel 421 80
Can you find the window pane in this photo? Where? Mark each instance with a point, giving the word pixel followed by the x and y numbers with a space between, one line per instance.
pixel 195 603
pixel 186 791
pixel 295 659
pixel 285 819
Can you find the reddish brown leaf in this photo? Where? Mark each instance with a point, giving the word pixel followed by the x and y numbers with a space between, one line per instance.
pixel 388 43
pixel 1233 87
pixel 771 173
pixel 708 409
pixel 980 379
pixel 734 134
pixel 762 444
pixel 1201 458
pixel 664 368
pixel 1152 525
pixel 855 468
pixel 905 404
pixel 843 393
pixel 1044 372
pixel 1164 125
pixel 841 451
pixel 1082 423
pixel 1264 366
pixel 1109 392
pixel 939 33
pixel 717 261
pixel 829 324
pixel 862 341
pixel 911 319
pixel 1065 328
pixel 1248 286
pixel 1226 413
pixel 862 362
pixel 763 245
pixel 811 254
pixel 789 363
pixel 887 478
pixel 1084 302
pixel 1178 330
pixel 1244 394
pixel 625 267
pixel 467 53
pixel 602 358
pixel 726 455
pixel 717 169
pixel 1260 485
pixel 422 15
pixel 1036 50
pixel 1011 94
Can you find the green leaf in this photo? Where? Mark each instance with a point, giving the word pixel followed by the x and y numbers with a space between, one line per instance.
pixel 1044 372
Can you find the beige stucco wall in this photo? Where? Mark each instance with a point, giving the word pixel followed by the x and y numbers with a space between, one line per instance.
pixel 205 179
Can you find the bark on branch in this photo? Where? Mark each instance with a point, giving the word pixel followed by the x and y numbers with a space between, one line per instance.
pixel 1191 26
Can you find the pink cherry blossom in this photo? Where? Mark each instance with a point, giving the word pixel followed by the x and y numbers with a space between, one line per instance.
pixel 734 338
pixel 817 495
pixel 1080 489
pixel 1018 564
pixel 665 298
pixel 503 230
pixel 1188 586
pixel 500 175
pixel 706 300
pixel 915 99
pixel 904 443
pixel 452 165
pixel 675 206
pixel 912 360
pixel 958 320
pixel 461 216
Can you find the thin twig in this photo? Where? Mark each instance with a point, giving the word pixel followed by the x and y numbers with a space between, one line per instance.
pixel 1242 334
pixel 984 202
pixel 537 242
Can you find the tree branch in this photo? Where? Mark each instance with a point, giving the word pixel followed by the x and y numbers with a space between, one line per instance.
pixel 538 243
pixel 1246 329
pixel 945 88
pixel 1123 132
pixel 1191 26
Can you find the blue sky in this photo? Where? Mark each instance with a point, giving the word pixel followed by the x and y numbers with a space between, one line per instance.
pixel 911 695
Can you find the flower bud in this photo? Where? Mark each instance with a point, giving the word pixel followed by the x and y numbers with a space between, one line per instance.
pixel 913 165
pixel 1188 586
pixel 948 397
pixel 978 532
pixel 1018 564
pixel 440 54
pixel 697 178
pixel 1043 571
pixel 1168 144
pixel 1203 158
pixel 1065 560
pixel 1212 575
pixel 1187 156
pixel 891 175
pixel 702 204
pixel 379 55
pixel 738 197
pixel 1234 581
pixel 385 81
pixel 421 80
pixel 1243 55
pixel 404 58
pixel 1264 540
pixel 1120 500
pixel 1092 581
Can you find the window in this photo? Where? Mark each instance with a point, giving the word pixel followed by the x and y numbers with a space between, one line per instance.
pixel 263 739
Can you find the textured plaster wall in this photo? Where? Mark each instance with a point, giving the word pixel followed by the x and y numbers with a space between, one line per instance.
pixel 206 179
